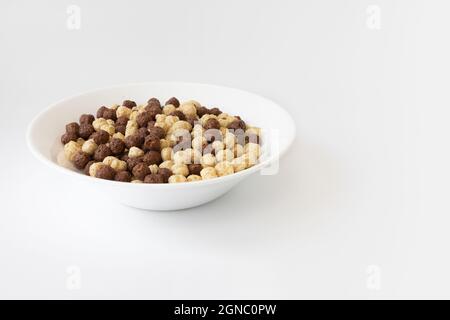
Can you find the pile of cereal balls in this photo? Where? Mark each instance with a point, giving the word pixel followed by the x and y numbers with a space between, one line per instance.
pixel 161 144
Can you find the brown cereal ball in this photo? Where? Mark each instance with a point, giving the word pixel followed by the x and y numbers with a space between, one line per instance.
pixel 143 132
pixel 154 102
pixel 73 127
pixel 215 111
pixel 154 178
pixel 212 124
pixel 87 119
pixel 151 124
pixel 157 132
pixel 100 111
pixel 166 173
pixel 124 157
pixel 201 111
pixel 117 146
pixel 87 166
pixel 179 114
pixel 110 114
pixel 121 128
pixel 102 152
pixel 122 120
pixel 80 160
pixel 153 110
pixel 132 162
pixel 134 140
pixel 191 120
pixel 123 176
pixel 195 169
pixel 152 143
pixel 67 137
pixel 173 101
pixel 86 130
pixel 152 157
pixel 143 118
pixel 105 172
pixel 141 170
pixel 129 104
pixel 100 137
pixel 237 124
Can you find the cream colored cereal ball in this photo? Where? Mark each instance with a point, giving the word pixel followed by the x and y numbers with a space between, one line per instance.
pixel 218 145
pixel 135 152
pixel 193 177
pixel 108 128
pixel 208 173
pixel 153 168
pixel 131 128
pixel 118 135
pixel 94 167
pixel 98 123
pixel 184 125
pixel 164 143
pixel 134 114
pixel 224 155
pixel 70 149
pixel 167 164
pixel 181 169
pixel 123 112
pixel 194 102
pixel 168 109
pixel 188 109
pixel 198 143
pixel 166 153
pixel 208 160
pixel 115 163
pixel 170 120
pixel 177 178
pixel 181 157
pixel 224 168
pixel 239 164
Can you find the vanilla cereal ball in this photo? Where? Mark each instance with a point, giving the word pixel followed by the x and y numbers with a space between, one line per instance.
pixel 224 155
pixel 160 118
pixel 194 102
pixel 170 120
pixel 199 142
pixel 108 128
pixel 167 164
pixel 71 149
pixel 224 168
pixel 89 147
pixel 168 109
pixel 192 156
pixel 98 123
pixel 115 163
pixel 176 178
pixel 123 112
pixel 131 128
pixel 240 163
pixel 181 125
pixel 94 167
pixel 208 160
pixel 80 141
pixel 162 125
pixel 166 153
pixel 164 143
pixel 181 157
pixel 218 145
pixel 208 173
pixel 197 131
pixel 180 169
pixel 135 152
pixel 134 114
pixel 153 168
pixel 193 177
pixel 119 135
pixel 188 109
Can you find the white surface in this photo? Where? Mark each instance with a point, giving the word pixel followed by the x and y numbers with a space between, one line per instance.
pixel 366 182
pixel 44 131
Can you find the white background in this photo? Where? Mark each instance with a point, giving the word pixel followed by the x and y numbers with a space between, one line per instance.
pixel 359 209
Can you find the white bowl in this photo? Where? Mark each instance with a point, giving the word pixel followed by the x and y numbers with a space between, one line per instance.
pixel 45 130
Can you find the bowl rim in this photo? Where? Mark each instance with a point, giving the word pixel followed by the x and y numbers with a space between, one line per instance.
pixel 257 167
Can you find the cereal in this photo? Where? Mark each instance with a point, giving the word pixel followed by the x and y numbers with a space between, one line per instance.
pixel 151 143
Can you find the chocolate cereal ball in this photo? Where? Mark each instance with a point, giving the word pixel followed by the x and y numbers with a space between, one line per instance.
pixel 100 137
pixel 122 120
pixel 134 140
pixel 80 160
pixel 212 124
pixel 67 137
pixel 86 130
pixel 123 176
pixel 105 172
pixel 102 152
pixel 100 111
pixel 87 166
pixel 87 119
pixel 173 101
pixel 110 114
pixel 143 132
pixel 166 173
pixel 195 168
pixel 153 111
pixel 141 170
pixel 154 102
pixel 73 127
pixel 237 124
pixel 215 111
pixel 152 157
pixel 143 118
pixel 117 146
pixel 179 114
pixel 201 111
pixel 157 132
pixel 151 124
pixel 154 178
pixel 132 162
pixel 121 128
pixel 129 104
pixel 152 143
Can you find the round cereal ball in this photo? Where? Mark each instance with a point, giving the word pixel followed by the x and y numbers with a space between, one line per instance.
pixel 129 104
pixel 215 111
pixel 195 168
pixel 80 159
pixel 132 162
pixel 201 111
pixel 86 130
pixel 154 178
pixel 212 124
pixel 109 114
pixel 123 176
pixel 121 128
pixel 105 172
pixel 157 132
pixel 179 114
pixel 87 119
pixel 165 173
pixel 151 124
pixel 152 157
pixel 102 152
pixel 100 137
pixel 87 166
pixel 153 110
pixel 117 146
pixel 152 143
pixel 141 170
pixel 237 124
pixel 154 102
pixel 188 109
pixel 208 173
pixel 181 169
pixel 67 137
pixel 177 178
pixel 134 140
pixel 194 177
pixel 122 120
pixel 73 127
pixel 143 132
pixel 100 111
pixel 173 101
pixel 143 118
